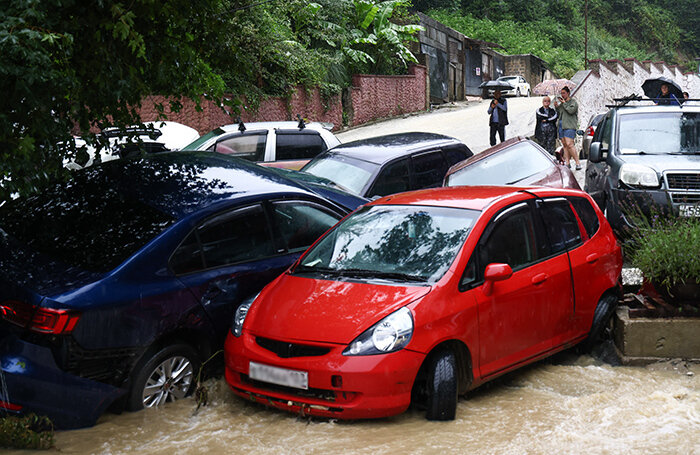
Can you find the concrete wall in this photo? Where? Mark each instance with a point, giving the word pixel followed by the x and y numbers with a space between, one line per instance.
pixel 527 65
pixel 605 80
pixel 371 97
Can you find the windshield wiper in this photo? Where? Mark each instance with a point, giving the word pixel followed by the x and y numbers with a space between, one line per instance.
pixel 380 274
pixel 313 269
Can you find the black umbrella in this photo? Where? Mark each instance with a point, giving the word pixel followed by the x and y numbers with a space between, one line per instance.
pixel 652 87
pixel 496 85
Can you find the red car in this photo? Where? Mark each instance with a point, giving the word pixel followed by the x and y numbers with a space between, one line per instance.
pixel 422 296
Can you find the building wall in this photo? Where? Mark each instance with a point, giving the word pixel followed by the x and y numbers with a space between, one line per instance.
pixel 375 97
pixel 605 80
pixel 528 66
pixel 308 104
pixel 371 97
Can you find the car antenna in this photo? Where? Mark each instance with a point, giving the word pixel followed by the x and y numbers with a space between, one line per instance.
pixel 301 125
pixel 241 126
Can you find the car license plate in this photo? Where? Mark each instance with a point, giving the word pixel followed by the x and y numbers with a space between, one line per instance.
pixel 279 376
pixel 689 210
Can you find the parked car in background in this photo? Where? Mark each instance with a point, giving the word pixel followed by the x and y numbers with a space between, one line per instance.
pixel 421 296
pixel 646 157
pixel 389 164
pixel 152 137
pixel 115 286
pixel 517 161
pixel 520 86
pixel 279 144
pixel 588 134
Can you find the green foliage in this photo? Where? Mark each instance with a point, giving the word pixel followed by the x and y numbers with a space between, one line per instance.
pixel 666 249
pixel 70 65
pixel 375 44
pixel 554 30
pixel 26 432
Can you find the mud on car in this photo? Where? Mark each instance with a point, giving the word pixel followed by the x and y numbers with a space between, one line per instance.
pixel 422 296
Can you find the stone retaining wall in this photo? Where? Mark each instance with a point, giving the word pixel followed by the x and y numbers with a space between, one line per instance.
pixel 605 80
pixel 371 97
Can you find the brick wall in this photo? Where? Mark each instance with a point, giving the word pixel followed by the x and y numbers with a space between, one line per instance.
pixel 375 97
pixel 371 97
pixel 309 105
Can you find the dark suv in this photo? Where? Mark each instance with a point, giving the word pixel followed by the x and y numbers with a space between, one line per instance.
pixel 646 156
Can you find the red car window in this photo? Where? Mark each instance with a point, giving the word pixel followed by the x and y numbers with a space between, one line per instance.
pixel 587 214
pixel 512 240
pixel 560 224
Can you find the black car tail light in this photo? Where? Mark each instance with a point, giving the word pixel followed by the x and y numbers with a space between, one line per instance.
pixel 37 319
pixel 590 131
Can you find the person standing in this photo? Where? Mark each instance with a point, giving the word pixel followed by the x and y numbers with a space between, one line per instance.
pixel 498 117
pixel 567 109
pixel 546 127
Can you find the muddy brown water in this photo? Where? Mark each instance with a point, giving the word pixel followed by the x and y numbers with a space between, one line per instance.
pixel 569 405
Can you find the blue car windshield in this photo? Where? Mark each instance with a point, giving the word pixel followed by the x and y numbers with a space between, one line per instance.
pixel 394 242
pixel 92 226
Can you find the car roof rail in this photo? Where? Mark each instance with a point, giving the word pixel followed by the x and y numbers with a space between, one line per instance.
pixel 621 102
pixel 241 125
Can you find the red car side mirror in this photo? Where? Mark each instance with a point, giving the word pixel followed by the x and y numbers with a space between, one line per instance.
pixel 493 273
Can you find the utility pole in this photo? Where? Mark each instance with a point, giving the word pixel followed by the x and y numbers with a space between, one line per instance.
pixel 585 37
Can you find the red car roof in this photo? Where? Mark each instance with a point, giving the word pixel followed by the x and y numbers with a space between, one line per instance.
pixel 465 197
pixel 468 197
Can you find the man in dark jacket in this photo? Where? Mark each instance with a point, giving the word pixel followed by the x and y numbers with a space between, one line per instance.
pixel 498 117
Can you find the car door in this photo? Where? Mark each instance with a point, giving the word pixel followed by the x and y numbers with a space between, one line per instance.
pixel 563 234
pixel 233 255
pixel 428 169
pixel 587 261
pixel 393 178
pixel 515 318
pixel 228 258
pixel 249 145
pixel 294 148
pixel 596 173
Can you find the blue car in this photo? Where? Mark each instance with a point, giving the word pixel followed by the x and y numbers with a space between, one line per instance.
pixel 115 286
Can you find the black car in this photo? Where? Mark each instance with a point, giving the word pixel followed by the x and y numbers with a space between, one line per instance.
pixel 646 157
pixel 390 164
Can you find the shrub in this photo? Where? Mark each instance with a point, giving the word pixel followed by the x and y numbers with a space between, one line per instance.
pixel 666 249
pixel 26 432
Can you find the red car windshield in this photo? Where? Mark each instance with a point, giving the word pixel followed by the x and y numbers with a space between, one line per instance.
pixel 406 243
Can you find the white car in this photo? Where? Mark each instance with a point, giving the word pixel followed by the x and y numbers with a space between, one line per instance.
pixel 520 85
pixel 159 136
pixel 287 145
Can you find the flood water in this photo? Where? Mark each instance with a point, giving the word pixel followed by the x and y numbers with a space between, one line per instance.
pixel 569 405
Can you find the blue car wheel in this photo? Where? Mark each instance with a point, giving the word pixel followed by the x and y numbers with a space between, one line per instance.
pixel 167 375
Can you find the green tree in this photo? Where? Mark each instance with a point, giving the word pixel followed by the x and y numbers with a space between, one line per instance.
pixel 75 66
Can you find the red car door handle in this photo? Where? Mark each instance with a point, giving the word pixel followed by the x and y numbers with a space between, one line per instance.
pixel 539 278
pixel 591 258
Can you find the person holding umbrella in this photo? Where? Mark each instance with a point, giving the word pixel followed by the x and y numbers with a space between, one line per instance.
pixel 666 98
pixel 498 117
pixel 663 91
